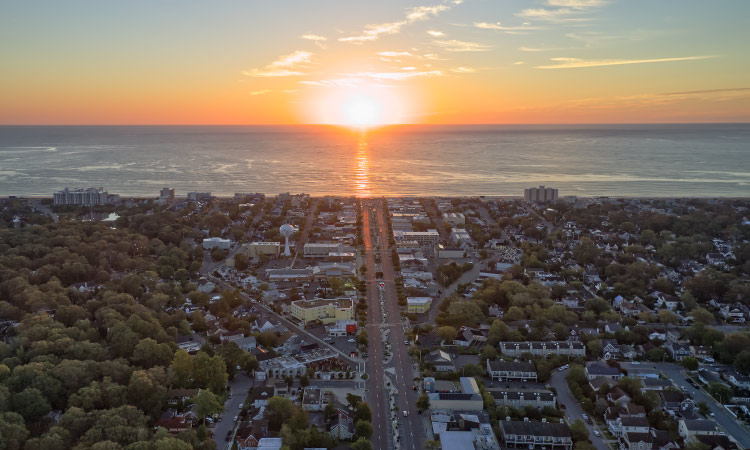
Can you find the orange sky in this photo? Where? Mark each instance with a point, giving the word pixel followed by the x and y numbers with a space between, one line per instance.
pixel 453 61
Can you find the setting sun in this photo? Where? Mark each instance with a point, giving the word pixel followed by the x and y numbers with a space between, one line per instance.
pixel 363 111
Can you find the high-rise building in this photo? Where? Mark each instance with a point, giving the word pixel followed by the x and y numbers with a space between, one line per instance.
pixel 84 197
pixel 166 194
pixel 198 196
pixel 540 195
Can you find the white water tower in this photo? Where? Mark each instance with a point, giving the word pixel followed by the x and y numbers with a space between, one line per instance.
pixel 286 230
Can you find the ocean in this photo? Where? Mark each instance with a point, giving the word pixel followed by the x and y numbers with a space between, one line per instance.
pixel 706 160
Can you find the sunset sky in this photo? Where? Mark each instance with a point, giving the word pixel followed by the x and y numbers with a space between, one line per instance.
pixel 385 61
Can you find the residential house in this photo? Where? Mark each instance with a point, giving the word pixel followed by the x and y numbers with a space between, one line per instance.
pixel 690 428
pixel 543 349
pixel 679 351
pixel 440 360
pixel 520 398
pixel 595 370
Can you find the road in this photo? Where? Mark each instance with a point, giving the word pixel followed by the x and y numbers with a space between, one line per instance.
pixel 467 277
pixel 38 205
pixel 377 396
pixel 305 231
pixel 411 428
pixel 676 373
pixel 573 410
pixel 239 388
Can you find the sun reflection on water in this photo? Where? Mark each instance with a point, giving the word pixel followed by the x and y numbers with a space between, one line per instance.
pixel 362 173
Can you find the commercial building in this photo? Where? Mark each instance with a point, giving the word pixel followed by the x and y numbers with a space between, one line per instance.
pixel 216 242
pixel 454 218
pixel 429 237
pixel 198 196
pixel 543 349
pixel 535 435
pixel 297 275
pixel 258 249
pixel 468 398
pixel 321 249
pixel 84 197
pixel 540 195
pixel 459 236
pixel 324 310
pixel 418 305
pixel 506 370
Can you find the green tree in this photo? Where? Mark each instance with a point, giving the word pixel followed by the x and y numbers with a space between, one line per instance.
pixel 363 429
pixel 720 391
pixel 423 402
pixel 278 411
pixel 702 315
pixel 13 433
pixel 447 334
pixel 31 404
pixel 361 444
pixel 181 369
pixel 207 403
pixel 363 412
pixel 578 431
pixel 690 363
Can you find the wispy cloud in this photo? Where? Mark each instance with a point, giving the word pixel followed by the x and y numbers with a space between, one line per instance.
pixel 399 75
pixel 314 37
pixel 394 54
pixel 285 66
pixel 435 33
pixel 260 92
pixel 463 70
pixel 461 46
pixel 709 91
pixel 562 10
pixel 518 63
pixel 415 14
pixel 576 63
pixel 526 26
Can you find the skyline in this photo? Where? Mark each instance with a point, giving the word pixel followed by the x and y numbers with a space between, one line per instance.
pixel 433 62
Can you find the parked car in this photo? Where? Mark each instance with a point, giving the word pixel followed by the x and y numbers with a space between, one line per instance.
pixel 597 433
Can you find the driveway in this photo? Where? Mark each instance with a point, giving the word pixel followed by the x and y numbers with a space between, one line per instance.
pixel 573 410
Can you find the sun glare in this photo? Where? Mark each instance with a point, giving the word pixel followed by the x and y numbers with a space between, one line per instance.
pixel 363 111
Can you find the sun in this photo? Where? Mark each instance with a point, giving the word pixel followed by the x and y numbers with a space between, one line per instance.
pixel 362 110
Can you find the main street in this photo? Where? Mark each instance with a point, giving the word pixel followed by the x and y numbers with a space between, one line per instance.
pixel 411 428
pixel 377 396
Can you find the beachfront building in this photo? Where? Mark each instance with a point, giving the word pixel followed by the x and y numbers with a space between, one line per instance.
pixel 540 195
pixel 258 249
pixel 418 305
pixel 215 242
pixel 84 197
pixel 321 249
pixel 324 310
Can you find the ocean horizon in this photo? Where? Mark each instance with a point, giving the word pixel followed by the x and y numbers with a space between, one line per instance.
pixel 587 160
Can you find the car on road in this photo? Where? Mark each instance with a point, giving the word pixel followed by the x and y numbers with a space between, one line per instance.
pixel 597 433
pixel 351 340
pixel 585 416
pixel 406 342
pixel 236 418
pixel 406 413
pixel 240 406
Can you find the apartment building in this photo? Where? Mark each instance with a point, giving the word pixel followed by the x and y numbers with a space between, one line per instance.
pixel 506 370
pixel 324 310
pixel 84 197
pixel 543 349
pixel 520 398
pixel 429 237
pixel 540 195
pixel 535 435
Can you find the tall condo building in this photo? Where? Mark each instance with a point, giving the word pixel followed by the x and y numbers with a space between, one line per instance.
pixel 540 195
pixel 84 197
